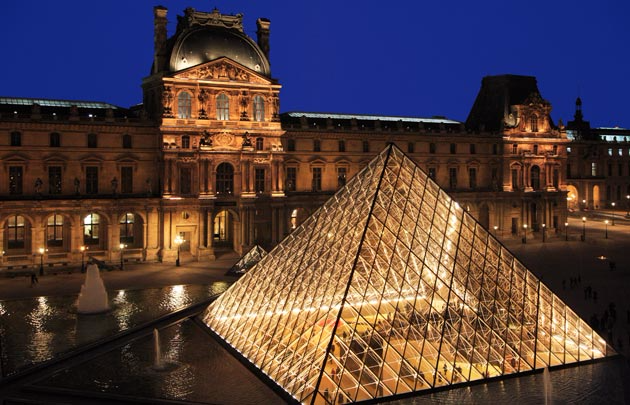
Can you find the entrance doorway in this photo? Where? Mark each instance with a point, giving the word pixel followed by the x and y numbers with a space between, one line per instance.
pixel 185 246
pixel 222 229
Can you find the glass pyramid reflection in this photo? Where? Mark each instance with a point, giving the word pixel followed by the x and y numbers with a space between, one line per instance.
pixel 390 288
pixel 248 261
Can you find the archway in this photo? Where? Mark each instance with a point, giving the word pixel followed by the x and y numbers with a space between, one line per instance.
pixel 131 230
pixel 225 179
pixel 596 198
pixel 573 197
pixel 226 231
pixel 58 233
pixel 17 235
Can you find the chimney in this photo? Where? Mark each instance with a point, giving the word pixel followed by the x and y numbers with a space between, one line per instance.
pixel 263 35
pixel 159 37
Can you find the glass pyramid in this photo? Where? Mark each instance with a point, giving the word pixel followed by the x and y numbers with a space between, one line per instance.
pixel 248 261
pixel 390 288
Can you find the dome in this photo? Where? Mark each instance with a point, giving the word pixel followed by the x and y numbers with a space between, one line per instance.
pixel 204 44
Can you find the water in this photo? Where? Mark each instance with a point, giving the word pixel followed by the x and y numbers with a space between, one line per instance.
pixel 38 329
pixel 157 362
pixel 93 296
pixel 547 386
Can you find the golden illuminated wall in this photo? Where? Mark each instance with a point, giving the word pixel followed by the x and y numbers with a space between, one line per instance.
pixel 390 288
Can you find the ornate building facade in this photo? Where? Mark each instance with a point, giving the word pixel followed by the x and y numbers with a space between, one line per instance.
pixel 209 157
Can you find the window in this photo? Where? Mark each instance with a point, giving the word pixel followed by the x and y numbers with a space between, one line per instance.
pixel 291 178
pixel 609 169
pixel 568 149
pixel 91 180
pixel 555 149
pixel 432 173
pixel 91 229
pixel 15 180
pixel 495 178
pixel 225 178
pixel 126 141
pixel 514 149
pixel 620 152
pixel 126 228
pixel 452 178
pixel 593 169
pixel 556 178
pixel 535 177
pixel 54 230
pixel 16 138
pixel 610 152
pixel 185 180
pixel 317 179
pixel 514 179
pixel 535 150
pixel 92 141
pixel 259 180
pixel 410 147
pixel 619 170
pixel 366 146
pixel 260 144
pixel 317 147
pixel 453 149
pixel 495 148
pixel 223 107
pixel 431 147
pixel 342 145
pixel 473 148
pixel 341 176
pixel 54 180
pixel 183 105
pixel 259 108
pixel 533 123
pixel 126 180
pixel 185 142
pixel 291 145
pixel 55 140
pixel 472 178
pixel 15 230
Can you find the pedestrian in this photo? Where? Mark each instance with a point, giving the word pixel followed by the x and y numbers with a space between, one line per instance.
pixel 32 279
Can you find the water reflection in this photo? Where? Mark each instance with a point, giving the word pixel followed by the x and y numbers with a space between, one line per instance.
pixel 176 298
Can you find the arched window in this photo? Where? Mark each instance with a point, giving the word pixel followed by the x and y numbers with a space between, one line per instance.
pixel 15 232
pixel 55 140
pixel 54 230
pixel 533 123
pixel 535 177
pixel 126 141
pixel 91 229
pixel 183 105
pixel 259 144
pixel 92 141
pixel 225 178
pixel 126 228
pixel 223 107
pixel 259 108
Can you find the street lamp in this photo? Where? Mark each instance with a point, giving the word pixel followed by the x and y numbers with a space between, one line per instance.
pixel 606 222
pixel 525 233
pixel 628 206
pixel 583 229
pixel 495 231
pixel 584 203
pixel 613 214
pixel 544 226
pixel 566 231
pixel 178 241
pixel 83 249
pixel 41 261
pixel 122 250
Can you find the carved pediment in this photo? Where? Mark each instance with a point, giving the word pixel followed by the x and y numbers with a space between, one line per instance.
pixel 223 69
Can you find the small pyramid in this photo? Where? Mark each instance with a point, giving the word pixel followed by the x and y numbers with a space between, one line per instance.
pixel 248 261
pixel 391 288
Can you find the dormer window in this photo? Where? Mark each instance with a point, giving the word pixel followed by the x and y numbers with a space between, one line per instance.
pixel 533 123
pixel 259 108
pixel 183 105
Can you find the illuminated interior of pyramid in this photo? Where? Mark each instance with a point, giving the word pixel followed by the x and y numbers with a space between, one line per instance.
pixel 392 288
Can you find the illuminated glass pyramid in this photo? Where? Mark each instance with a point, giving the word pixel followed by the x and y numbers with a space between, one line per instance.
pixel 389 288
pixel 247 261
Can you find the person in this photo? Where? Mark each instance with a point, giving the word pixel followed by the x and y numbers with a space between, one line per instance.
pixel 34 279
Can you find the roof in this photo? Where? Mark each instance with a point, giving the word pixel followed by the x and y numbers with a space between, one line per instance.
pixel 21 101
pixel 369 117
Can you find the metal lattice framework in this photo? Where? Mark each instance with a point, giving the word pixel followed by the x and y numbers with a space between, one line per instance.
pixel 389 288
pixel 248 260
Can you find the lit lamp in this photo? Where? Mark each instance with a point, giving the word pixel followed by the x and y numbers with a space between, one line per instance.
pixel 544 226
pixel 584 203
pixel 41 261
pixel 628 206
pixel 613 214
pixel 495 231
pixel 524 233
pixel 178 241
pixel 83 249
pixel 566 231
pixel 606 222
pixel 583 229
pixel 122 249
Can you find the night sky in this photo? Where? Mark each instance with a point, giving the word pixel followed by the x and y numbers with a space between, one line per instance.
pixel 413 58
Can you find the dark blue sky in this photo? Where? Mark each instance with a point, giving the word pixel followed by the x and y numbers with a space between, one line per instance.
pixel 418 58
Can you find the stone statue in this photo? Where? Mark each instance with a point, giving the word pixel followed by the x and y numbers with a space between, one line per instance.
pixel 167 99
pixel 149 186
pixel 77 184
pixel 38 185
pixel 206 139
pixel 247 143
pixel 114 185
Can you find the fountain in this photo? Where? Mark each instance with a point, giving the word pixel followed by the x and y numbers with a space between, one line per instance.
pixel 93 297
pixel 158 364
pixel 547 386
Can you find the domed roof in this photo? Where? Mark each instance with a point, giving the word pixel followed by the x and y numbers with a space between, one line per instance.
pixel 203 44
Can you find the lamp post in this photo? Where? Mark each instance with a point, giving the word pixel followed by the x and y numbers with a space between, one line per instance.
pixel 495 230
pixel 628 206
pixel 122 250
pixel 83 249
pixel 41 261
pixel 583 229
pixel 524 233
pixel 566 231
pixel 584 204
pixel 613 213
pixel 178 241
pixel 606 222
pixel 544 226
